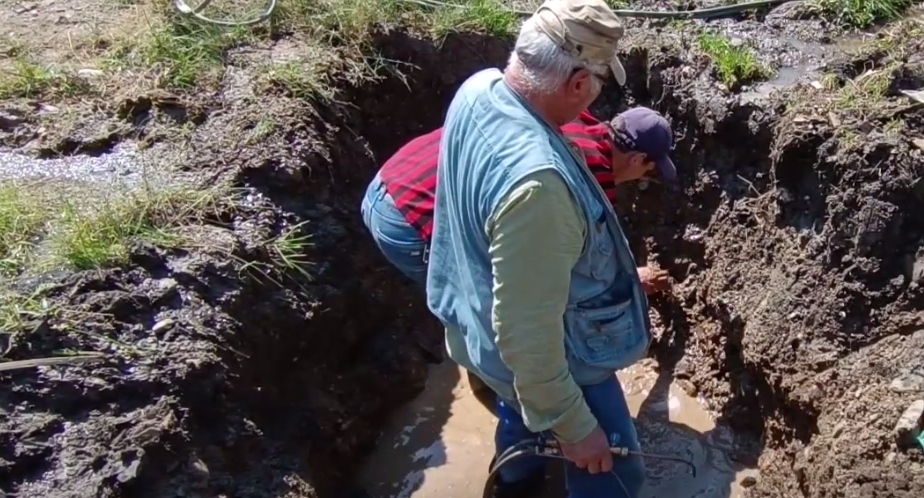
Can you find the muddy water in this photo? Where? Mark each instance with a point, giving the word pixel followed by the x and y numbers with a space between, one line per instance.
pixel 439 446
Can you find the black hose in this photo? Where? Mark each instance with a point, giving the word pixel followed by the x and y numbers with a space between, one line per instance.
pixel 707 13
pixel 546 450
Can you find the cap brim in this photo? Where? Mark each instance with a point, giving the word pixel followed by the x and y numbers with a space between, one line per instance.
pixel 666 169
pixel 619 72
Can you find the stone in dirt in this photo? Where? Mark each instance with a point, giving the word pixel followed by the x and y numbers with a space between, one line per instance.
pixel 908 383
pixel 908 427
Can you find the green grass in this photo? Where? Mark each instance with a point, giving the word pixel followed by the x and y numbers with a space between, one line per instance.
pixel 302 80
pixel 287 252
pixel 17 309
pixel 104 236
pixel 22 218
pixel 160 49
pixel 177 53
pixel 28 79
pixel 862 13
pixel 486 16
pixel 735 65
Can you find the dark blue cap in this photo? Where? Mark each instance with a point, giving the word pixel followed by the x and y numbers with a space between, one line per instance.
pixel 647 131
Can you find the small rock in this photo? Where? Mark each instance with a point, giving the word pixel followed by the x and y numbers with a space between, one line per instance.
pixel 917 95
pixel 688 387
pixel 9 122
pixel 908 383
pixel 88 73
pixel 908 427
pixel 791 11
pixel 199 472
pixel 748 482
pixel 163 325
pixel 166 284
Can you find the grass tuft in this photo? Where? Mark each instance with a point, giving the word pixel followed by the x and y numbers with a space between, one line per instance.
pixel 867 89
pixel 180 54
pixel 28 79
pixel 18 309
pixel 862 13
pixel 22 218
pixel 100 237
pixel 486 16
pixel 290 250
pixel 735 64
pixel 301 80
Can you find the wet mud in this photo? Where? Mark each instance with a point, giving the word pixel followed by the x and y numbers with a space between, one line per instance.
pixel 440 444
pixel 794 242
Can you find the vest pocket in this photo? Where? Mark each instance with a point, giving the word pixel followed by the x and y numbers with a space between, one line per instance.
pixel 601 337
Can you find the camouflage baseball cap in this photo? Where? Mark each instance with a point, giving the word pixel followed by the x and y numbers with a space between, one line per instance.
pixel 586 29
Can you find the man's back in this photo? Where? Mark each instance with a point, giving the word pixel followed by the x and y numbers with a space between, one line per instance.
pixel 410 178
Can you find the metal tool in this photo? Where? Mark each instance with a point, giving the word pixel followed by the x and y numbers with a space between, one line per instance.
pixel 547 447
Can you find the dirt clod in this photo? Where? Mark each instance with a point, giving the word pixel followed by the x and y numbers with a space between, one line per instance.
pixel 908 427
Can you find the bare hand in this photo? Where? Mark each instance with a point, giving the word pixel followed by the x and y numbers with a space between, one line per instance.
pixel 591 453
pixel 654 279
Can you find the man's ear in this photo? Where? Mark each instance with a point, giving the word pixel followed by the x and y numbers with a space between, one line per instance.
pixel 643 161
pixel 580 80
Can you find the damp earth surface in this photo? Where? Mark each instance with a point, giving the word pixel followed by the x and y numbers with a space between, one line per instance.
pixel 181 201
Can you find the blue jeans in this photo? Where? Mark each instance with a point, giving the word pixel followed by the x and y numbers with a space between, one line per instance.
pixel 399 242
pixel 608 403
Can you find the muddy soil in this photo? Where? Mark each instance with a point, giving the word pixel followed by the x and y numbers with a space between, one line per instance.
pixel 227 375
pixel 797 255
pixel 795 250
pixel 440 444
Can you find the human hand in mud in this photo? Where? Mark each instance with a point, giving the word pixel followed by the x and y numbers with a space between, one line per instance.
pixel 591 453
pixel 654 279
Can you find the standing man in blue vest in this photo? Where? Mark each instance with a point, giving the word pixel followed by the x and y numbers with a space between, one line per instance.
pixel 529 269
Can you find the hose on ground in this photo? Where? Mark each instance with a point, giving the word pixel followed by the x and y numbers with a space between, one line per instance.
pixel 546 448
pixel 707 13
pixel 183 8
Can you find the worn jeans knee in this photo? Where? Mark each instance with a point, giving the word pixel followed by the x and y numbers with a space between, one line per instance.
pixel 608 403
pixel 398 241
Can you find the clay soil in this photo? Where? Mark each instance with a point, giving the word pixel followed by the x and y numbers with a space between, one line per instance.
pixel 795 240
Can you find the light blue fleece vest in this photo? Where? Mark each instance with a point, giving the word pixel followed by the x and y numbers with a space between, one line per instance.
pixel 491 141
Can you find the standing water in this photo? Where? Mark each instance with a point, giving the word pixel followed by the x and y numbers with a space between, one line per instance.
pixel 440 445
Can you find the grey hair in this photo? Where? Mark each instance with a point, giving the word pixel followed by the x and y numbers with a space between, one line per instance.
pixel 539 66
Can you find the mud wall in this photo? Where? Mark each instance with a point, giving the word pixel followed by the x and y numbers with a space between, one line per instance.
pixel 796 289
pixel 229 376
pixel 794 251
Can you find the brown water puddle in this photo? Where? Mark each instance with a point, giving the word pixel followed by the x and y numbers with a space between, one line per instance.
pixel 439 445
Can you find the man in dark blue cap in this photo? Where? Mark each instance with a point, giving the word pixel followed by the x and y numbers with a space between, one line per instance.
pixel 398 208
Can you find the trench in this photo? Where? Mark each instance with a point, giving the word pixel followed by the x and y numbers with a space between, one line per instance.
pixel 440 443
pixel 296 389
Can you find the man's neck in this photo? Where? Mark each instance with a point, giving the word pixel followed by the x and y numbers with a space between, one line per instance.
pixel 540 104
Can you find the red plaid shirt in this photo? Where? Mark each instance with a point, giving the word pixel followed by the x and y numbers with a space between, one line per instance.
pixel 410 174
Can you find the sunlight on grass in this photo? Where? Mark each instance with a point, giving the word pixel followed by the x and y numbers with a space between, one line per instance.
pixel 735 65
pixel 22 218
pixel 487 16
pixel 178 53
pixel 104 236
pixel 862 13
pixel 27 79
